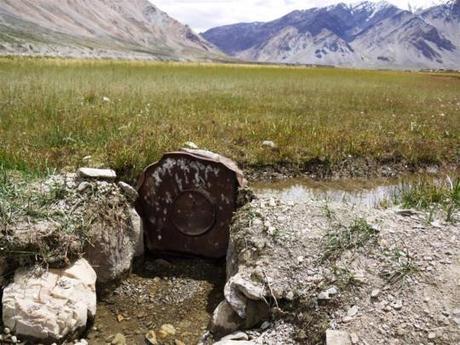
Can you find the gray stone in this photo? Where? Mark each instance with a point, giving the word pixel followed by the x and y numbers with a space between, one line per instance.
pixel 334 337
pixel 375 293
pixel 323 296
pixel 397 305
pixel 99 174
pixel 332 291
pixel 130 193
pixel 225 320
pixel 82 187
pixel 239 290
pixel 354 338
pixel 352 311
pixel 51 306
pixel 138 228
pixel 112 250
pixel 326 295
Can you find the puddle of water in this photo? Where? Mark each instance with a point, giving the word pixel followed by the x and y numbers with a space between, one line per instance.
pixel 181 292
pixel 360 192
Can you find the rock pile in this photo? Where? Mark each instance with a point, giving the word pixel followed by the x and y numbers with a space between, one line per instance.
pixel 355 274
pixel 52 305
pixel 80 225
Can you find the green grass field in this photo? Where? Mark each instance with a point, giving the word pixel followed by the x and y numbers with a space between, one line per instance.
pixel 52 114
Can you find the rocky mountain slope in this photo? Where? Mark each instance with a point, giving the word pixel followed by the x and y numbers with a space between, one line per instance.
pixel 97 28
pixel 368 34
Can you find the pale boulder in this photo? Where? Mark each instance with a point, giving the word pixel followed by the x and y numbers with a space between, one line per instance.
pixel 334 337
pixel 97 174
pixel 50 306
pixel 113 247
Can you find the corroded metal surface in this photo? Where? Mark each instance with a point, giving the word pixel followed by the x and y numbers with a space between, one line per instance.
pixel 187 200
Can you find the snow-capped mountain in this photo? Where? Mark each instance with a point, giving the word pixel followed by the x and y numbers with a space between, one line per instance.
pixel 367 34
pixel 97 28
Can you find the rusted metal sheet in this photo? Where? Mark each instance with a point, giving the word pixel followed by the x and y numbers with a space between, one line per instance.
pixel 187 200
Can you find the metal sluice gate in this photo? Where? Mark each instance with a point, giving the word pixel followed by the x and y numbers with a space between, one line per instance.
pixel 187 201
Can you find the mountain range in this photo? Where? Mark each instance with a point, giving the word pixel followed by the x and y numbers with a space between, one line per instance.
pixel 368 34
pixel 97 28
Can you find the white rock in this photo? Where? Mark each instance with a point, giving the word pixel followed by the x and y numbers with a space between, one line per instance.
pixel 323 296
pixel 106 99
pixel 397 305
pixel 334 337
pixel 326 295
pixel 50 306
pixel 269 144
pixel 352 311
pixel 238 290
pixel 375 293
pixel 332 291
pixel 191 145
pixel 236 336
pixel 101 174
pixel 354 338
pixel 235 342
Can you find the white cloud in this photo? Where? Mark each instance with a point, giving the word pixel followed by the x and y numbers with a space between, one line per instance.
pixel 205 14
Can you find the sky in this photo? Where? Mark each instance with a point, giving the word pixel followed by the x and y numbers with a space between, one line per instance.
pixel 201 15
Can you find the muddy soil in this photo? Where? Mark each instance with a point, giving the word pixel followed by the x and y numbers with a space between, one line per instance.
pixel 177 291
pixel 350 168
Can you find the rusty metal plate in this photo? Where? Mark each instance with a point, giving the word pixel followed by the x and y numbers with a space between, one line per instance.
pixel 187 201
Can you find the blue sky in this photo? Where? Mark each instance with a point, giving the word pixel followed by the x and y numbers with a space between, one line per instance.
pixel 204 14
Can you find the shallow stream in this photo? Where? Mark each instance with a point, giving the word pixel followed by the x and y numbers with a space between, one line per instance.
pixel 355 191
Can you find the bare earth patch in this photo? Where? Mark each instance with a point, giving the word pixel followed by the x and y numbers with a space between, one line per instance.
pixel 386 276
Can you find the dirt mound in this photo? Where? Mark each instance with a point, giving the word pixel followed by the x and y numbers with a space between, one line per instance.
pixel 385 276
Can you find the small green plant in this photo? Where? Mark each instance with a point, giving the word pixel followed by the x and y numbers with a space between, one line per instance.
pixel 402 265
pixel 341 239
pixel 328 211
pixel 431 195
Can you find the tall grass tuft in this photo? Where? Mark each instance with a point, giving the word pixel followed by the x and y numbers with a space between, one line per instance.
pixel 429 194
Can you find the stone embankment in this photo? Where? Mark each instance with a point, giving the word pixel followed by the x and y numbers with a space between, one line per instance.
pixel 89 234
pixel 304 272
pixel 315 272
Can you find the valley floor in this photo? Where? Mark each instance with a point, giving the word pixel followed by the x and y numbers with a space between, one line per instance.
pixel 58 113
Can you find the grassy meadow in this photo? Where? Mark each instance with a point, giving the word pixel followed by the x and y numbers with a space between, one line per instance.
pixel 126 114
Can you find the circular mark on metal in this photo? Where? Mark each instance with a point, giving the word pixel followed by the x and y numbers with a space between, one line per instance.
pixel 193 213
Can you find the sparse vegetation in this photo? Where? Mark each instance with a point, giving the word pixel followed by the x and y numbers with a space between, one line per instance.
pixel 432 194
pixel 402 266
pixel 342 238
pixel 126 114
